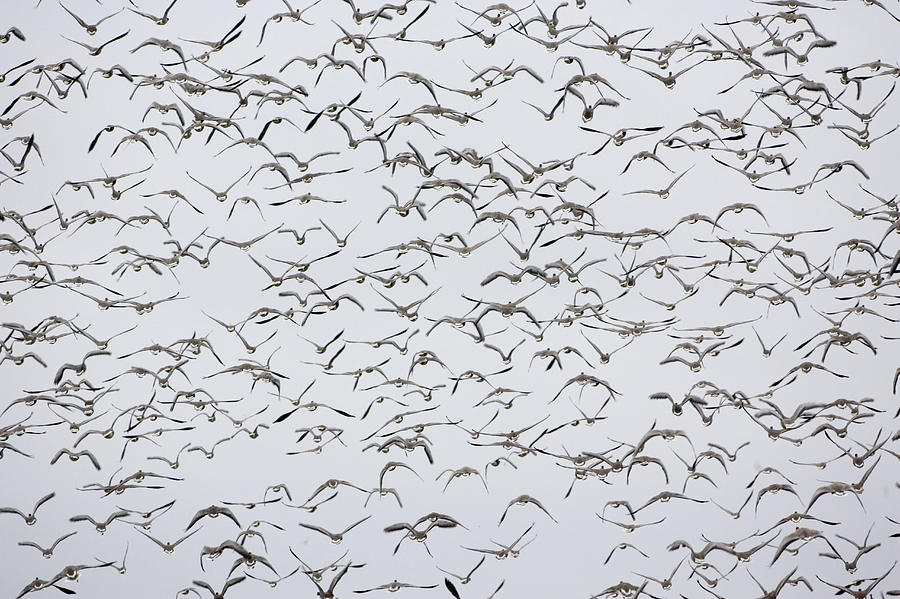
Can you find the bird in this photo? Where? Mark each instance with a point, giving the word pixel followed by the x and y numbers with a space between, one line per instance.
pixel 30 518
pixel 74 456
pixel 47 552
pixel 336 538
pixel 158 20
pixel 169 547
pixel 101 525
pixel 212 511
pixel 96 50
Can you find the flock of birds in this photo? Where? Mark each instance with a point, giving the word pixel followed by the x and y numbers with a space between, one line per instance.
pixel 354 336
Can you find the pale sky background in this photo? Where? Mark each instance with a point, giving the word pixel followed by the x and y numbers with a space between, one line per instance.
pixel 565 559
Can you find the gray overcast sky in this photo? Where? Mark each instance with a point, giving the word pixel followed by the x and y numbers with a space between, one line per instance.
pixel 564 558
